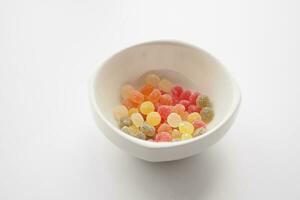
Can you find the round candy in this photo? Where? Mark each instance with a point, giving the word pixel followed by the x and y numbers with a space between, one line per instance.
pixel 120 111
pixel 193 98
pixel 141 135
pixel 185 103
pixel 125 121
pixel 153 118
pixel 126 91
pixel 207 114
pixel 164 128
pixel 152 79
pixel 146 107
pixel 186 136
pixel 202 101
pixel 163 137
pixel 178 108
pixel 198 123
pixel 147 129
pixel 129 104
pixel 132 110
pixel 137 97
pixel 174 120
pixel 186 127
pixel 184 115
pixel 199 131
pixel 133 130
pixel 154 96
pixel 164 111
pixel 146 89
pixel 165 99
pixel 165 85
pixel 137 119
pixel 175 133
pixel 185 95
pixel 176 91
pixel 125 129
pixel 193 108
pixel 193 116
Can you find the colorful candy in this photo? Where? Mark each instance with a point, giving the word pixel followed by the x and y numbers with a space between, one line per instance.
pixel 146 107
pixel 137 97
pixel 207 114
pixel 147 129
pixel 193 116
pixel 165 85
pixel 137 119
pixel 202 101
pixel 126 91
pixel 174 120
pixel 164 128
pixel 153 118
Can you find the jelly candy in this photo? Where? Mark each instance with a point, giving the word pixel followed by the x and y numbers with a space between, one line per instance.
pixel 129 104
pixel 193 98
pixel 198 124
pixel 174 120
pixel 137 119
pixel 147 107
pixel 154 96
pixel 152 79
pixel 199 131
pixel 186 136
pixel 193 108
pixel 165 85
pixel 164 111
pixel 147 129
pixel 137 97
pixel 126 91
pixel 185 103
pixel 176 91
pixel 164 128
pixel 141 135
pixel 178 108
pixel 133 130
pixel 132 110
pixel 202 101
pixel 184 115
pixel 186 127
pixel 165 99
pixel 125 121
pixel 175 133
pixel 163 137
pixel 193 116
pixel 207 114
pixel 125 129
pixel 153 118
pixel 120 111
pixel 146 89
pixel 185 95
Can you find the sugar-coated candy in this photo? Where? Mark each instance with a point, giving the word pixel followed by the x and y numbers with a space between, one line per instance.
pixel 178 108
pixel 137 97
pixel 193 98
pixel 174 120
pixel 129 104
pixel 163 137
pixel 199 131
pixel 193 116
pixel 186 127
pixel 186 136
pixel 146 89
pixel 154 96
pixel 164 128
pixel 141 135
pixel 175 100
pixel 165 99
pixel 193 108
pixel 132 110
pixel 175 133
pixel 147 129
pixel 133 130
pixel 165 85
pixel 185 103
pixel 126 91
pixel 152 79
pixel 164 111
pixel 147 107
pixel 137 119
pixel 176 91
pixel 153 118
pixel 184 115
pixel 125 129
pixel 185 95
pixel 202 101
pixel 207 114
pixel 198 124
pixel 120 111
pixel 125 121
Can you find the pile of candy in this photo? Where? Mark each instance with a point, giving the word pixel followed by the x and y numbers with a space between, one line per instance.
pixel 162 112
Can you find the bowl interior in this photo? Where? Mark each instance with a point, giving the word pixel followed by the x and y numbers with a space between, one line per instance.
pixel 183 64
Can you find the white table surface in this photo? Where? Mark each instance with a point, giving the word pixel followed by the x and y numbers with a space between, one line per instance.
pixel 50 147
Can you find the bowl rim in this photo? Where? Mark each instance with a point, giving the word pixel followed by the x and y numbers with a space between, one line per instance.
pixel 99 66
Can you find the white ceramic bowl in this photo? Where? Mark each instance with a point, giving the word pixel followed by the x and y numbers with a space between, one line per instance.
pixel 183 64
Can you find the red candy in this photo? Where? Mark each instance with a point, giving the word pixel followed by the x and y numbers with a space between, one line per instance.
pixel 193 108
pixel 163 137
pixel 176 91
pixel 165 99
pixel 185 95
pixel 193 97
pixel 186 103
pixel 164 112
pixel 198 123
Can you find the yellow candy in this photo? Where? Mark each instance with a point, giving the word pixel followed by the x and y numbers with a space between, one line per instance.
pixel 137 119
pixel 186 136
pixel 152 79
pixel 147 107
pixel 133 130
pixel 165 85
pixel 120 111
pixel 126 91
pixel 174 120
pixel 153 118
pixel 193 116
pixel 186 127
pixel 132 110
pixel 176 134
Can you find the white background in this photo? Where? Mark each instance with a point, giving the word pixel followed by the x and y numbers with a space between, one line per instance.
pixel 50 147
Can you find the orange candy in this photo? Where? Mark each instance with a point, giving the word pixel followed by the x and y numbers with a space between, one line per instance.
pixel 164 128
pixel 165 99
pixel 154 96
pixel 137 97
pixel 146 89
pixel 129 104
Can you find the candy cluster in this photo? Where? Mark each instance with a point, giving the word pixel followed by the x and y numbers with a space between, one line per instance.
pixel 162 112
